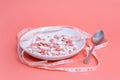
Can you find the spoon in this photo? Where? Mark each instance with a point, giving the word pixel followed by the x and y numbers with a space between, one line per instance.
pixel 96 39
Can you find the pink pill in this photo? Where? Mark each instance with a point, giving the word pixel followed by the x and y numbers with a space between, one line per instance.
pixel 56 36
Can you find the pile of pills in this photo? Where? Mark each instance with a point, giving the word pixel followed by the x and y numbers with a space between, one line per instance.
pixel 54 45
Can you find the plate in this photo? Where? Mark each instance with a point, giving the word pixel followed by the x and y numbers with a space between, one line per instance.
pixel 26 40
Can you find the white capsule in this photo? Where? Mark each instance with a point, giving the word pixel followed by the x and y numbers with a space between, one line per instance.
pixel 35 50
pixel 29 50
pixel 55 40
pixel 34 46
pixel 40 36
pixel 52 49
pixel 60 42
pixel 38 42
pixel 43 47
pixel 60 39
pixel 67 48
pixel 62 46
pixel 42 41
pixel 66 52
pixel 76 46
pixel 62 53
pixel 74 42
pixel 49 54
pixel 66 36
pixel 47 41
pixel 34 40
pixel 54 52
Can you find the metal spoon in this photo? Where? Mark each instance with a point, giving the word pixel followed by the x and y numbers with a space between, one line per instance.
pixel 96 39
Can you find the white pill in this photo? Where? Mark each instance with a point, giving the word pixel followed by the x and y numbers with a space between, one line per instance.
pixel 49 54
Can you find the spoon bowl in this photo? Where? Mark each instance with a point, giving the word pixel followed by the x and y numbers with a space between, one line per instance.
pixel 98 37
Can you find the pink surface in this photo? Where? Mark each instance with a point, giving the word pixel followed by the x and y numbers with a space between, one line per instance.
pixel 89 15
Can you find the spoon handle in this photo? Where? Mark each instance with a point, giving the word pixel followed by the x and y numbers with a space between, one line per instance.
pixel 86 60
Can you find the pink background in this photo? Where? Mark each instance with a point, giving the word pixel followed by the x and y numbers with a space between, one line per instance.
pixel 89 15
